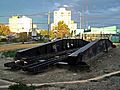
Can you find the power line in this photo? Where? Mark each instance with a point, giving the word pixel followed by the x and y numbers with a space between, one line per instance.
pixel 34 14
pixel 82 16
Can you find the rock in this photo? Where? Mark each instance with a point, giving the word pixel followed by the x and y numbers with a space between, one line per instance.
pixel 74 74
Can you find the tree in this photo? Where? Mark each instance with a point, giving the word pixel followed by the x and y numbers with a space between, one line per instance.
pixel 44 33
pixel 23 37
pixel 4 30
pixel 62 29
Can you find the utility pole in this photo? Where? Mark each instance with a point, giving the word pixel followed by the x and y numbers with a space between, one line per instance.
pixel 81 34
pixel 48 24
pixel 86 14
pixel 83 19
pixel 80 20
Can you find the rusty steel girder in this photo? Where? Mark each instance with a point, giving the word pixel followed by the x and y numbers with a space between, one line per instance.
pixel 72 51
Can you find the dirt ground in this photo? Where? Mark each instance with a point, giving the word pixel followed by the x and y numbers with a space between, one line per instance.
pixel 102 64
pixel 7 47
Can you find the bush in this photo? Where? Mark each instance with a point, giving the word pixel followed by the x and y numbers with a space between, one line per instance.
pixel 15 40
pixel 21 86
pixel 23 37
pixel 3 40
pixel 9 53
pixel 42 41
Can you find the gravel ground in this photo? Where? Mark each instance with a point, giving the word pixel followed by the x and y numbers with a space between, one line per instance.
pixel 104 63
pixel 112 83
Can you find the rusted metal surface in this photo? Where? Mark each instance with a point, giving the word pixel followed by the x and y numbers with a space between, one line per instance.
pixel 51 48
pixel 89 50
pixel 35 58
pixel 72 51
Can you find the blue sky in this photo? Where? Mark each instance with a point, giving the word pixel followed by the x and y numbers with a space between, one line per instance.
pixel 97 12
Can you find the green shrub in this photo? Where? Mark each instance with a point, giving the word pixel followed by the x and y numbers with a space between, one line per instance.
pixel 3 40
pixel 15 40
pixel 42 40
pixel 21 86
pixel 9 53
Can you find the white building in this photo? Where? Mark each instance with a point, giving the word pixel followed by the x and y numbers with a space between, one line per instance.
pixel 103 30
pixel 64 15
pixel 19 24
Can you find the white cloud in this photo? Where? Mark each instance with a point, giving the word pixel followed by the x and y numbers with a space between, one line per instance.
pixel 106 12
pixel 76 1
pixel 87 12
pixel 65 5
pixel 114 9
pixel 57 4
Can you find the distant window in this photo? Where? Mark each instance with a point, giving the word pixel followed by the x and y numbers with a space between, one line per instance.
pixel 55 12
pixel 18 17
pixel 62 13
pixel 69 13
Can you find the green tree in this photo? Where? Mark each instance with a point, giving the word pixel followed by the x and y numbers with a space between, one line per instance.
pixel 23 37
pixel 62 29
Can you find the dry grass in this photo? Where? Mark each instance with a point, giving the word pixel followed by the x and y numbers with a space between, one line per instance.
pixel 16 46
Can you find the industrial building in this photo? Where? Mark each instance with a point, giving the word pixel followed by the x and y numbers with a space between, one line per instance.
pixel 111 32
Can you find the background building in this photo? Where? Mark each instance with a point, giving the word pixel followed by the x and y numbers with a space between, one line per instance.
pixel 19 24
pixel 111 32
pixel 64 15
